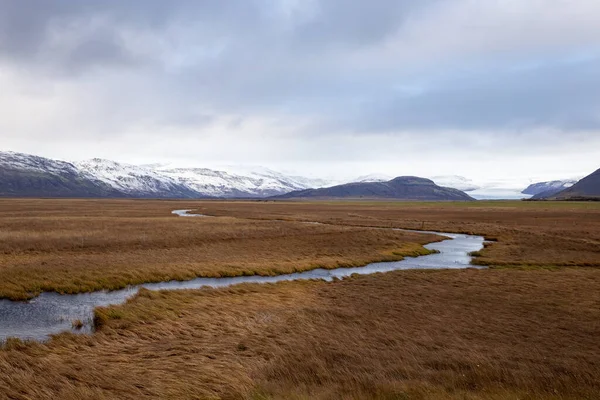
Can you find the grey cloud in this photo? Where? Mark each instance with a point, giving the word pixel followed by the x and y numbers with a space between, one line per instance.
pixel 563 96
pixel 28 26
pixel 355 23
pixel 193 64
pixel 245 25
pixel 104 48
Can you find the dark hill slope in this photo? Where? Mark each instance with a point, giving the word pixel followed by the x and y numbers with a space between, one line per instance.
pixel 25 176
pixel 402 188
pixel 549 188
pixel 587 188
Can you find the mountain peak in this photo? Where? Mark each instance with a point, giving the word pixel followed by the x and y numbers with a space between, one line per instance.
pixel 411 180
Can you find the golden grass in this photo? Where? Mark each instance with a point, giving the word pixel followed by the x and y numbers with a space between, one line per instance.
pixel 72 246
pixel 491 334
pixel 527 233
pixel 527 330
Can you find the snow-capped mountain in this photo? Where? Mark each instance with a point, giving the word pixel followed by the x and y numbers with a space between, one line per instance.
pixel 30 175
pixel 264 181
pixel 455 182
pixel 133 180
pixel 13 160
pixel 161 181
pixel 226 184
pixel 549 187
pixel 24 174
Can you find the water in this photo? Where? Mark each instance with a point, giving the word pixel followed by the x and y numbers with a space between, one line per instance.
pixel 52 313
pixel 185 213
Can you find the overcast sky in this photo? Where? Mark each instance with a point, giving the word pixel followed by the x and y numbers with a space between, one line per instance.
pixel 479 88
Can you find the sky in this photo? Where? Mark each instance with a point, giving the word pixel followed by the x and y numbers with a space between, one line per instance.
pixel 487 89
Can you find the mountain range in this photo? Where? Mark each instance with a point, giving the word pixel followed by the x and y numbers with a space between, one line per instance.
pixel 29 175
pixel 25 175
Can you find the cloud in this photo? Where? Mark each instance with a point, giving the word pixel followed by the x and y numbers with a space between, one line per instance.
pixel 564 96
pixel 307 79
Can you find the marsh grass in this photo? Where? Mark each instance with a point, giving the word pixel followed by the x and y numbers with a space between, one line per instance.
pixel 70 246
pixel 463 334
pixel 520 233
pixel 527 328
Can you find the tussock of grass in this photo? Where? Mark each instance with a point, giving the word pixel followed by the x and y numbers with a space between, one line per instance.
pixel 77 324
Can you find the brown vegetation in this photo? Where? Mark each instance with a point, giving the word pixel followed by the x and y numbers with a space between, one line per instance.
pixel 72 246
pixel 525 333
pixel 491 334
pixel 527 233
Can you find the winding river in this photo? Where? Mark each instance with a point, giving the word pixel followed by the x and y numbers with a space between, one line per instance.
pixel 52 313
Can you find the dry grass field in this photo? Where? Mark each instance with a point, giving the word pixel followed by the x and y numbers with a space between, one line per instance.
pixel 521 331
pixel 527 233
pixel 72 246
pixel 491 334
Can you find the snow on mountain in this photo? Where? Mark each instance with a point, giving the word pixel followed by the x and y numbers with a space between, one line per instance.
pixel 155 180
pixel 24 174
pixel 456 182
pixel 27 162
pixel 549 186
pixel 133 180
pixel 224 184
pixel 277 179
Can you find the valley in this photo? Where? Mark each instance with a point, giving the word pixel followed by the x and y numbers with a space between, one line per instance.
pixel 525 326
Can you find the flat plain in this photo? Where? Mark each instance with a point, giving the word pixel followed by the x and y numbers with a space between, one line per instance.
pixel 528 327
pixel 72 246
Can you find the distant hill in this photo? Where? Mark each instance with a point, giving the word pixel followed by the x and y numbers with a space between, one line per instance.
pixel 586 188
pixel 401 188
pixel 548 189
